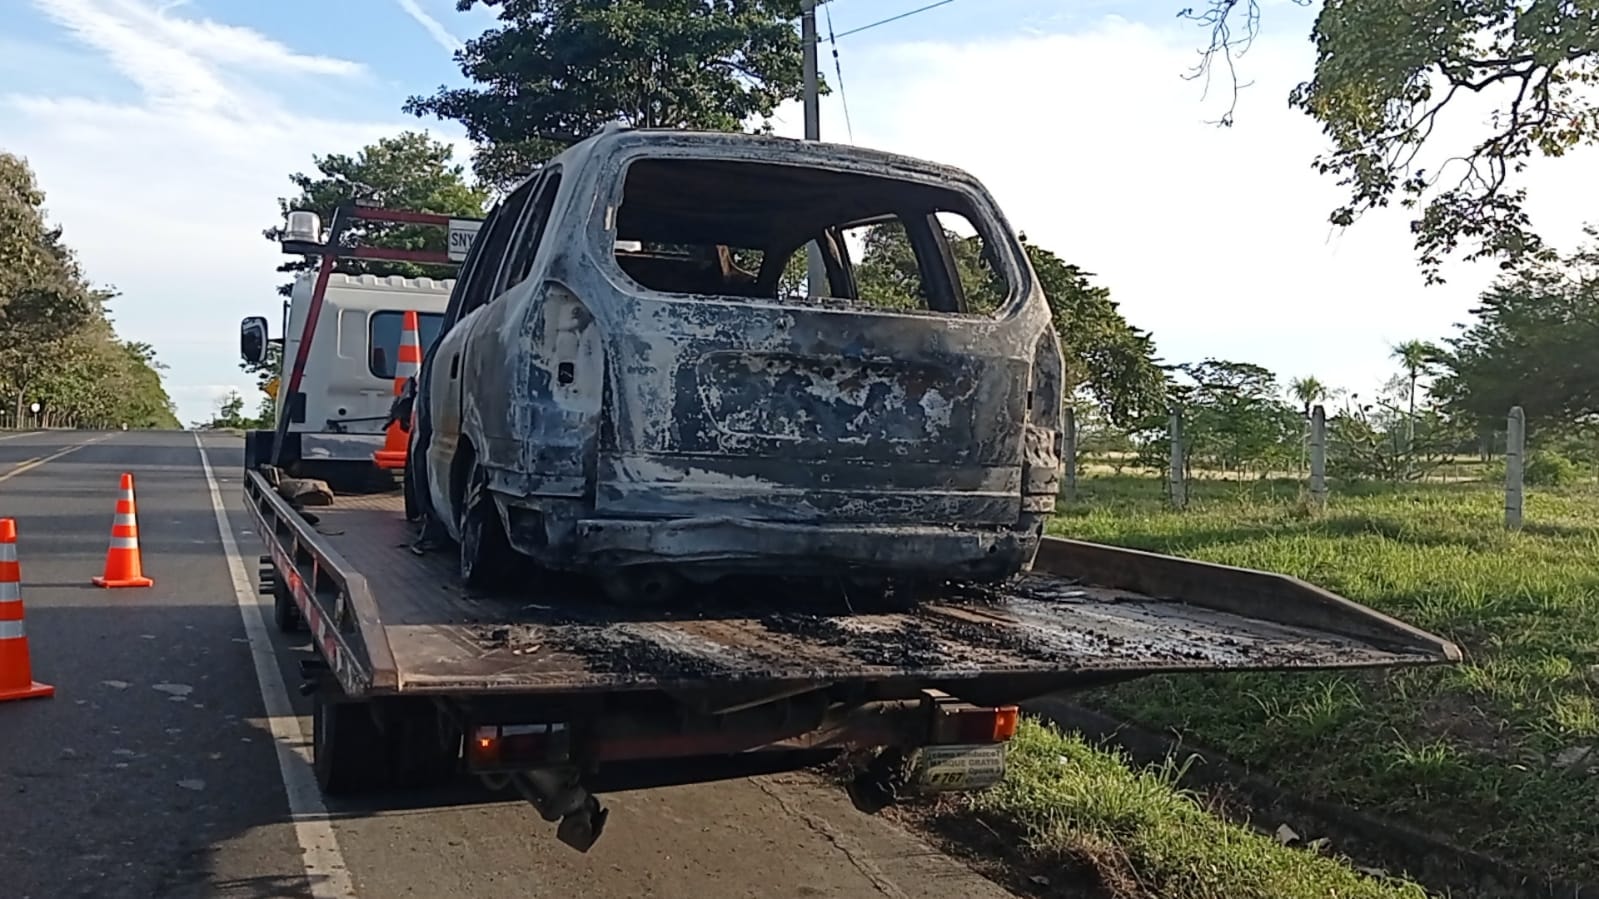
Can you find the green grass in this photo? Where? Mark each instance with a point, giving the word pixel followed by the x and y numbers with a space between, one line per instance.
pixel 1138 835
pixel 1473 752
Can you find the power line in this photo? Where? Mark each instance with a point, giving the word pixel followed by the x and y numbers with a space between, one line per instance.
pixel 904 15
pixel 838 67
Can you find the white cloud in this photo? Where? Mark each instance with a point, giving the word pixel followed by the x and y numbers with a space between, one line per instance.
pixel 431 25
pixel 1216 239
pixel 1095 146
pixel 165 196
pixel 175 60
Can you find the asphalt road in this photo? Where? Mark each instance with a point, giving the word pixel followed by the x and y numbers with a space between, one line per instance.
pixel 157 771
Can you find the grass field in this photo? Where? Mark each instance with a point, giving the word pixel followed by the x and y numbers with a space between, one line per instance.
pixel 1493 754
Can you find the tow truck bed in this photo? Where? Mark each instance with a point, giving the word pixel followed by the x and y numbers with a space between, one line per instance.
pixel 1087 613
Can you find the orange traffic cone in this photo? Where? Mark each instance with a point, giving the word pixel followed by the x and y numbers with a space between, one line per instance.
pixel 122 565
pixel 406 367
pixel 16 671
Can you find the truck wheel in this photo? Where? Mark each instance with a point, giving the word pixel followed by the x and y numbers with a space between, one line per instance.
pixel 423 750
pixel 487 559
pixel 285 614
pixel 348 753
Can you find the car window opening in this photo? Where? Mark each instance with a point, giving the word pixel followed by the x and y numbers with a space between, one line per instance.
pixel 741 229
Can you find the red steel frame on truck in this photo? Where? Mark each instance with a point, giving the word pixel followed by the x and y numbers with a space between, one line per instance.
pixel 333 249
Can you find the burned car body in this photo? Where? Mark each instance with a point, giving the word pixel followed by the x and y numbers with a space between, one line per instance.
pixel 630 379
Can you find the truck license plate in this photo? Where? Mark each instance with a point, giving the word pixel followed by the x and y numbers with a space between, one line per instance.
pixel 955 768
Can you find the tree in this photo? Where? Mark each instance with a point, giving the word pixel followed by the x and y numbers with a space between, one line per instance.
pixel 1307 391
pixel 556 70
pixel 409 171
pixel 57 345
pixel 1107 358
pixel 1385 72
pixel 1233 418
pixel 1108 361
pixel 229 414
pixel 1532 344
pixel 1417 357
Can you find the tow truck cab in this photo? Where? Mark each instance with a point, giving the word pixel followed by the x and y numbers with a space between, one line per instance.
pixel 336 418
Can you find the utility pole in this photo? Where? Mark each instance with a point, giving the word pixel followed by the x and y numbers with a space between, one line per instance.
pixel 815 272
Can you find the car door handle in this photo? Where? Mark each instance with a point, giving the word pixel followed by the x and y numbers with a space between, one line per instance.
pixel 455 366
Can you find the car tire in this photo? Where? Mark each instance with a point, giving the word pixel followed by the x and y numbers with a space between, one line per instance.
pixel 487 560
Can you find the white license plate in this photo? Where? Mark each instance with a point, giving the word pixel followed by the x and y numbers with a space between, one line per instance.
pixel 954 768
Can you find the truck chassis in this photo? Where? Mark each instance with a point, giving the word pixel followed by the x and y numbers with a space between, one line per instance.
pixel 558 694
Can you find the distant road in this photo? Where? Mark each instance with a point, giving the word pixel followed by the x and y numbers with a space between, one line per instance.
pixel 153 772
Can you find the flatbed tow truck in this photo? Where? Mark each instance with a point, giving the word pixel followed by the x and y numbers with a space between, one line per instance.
pixel 560 695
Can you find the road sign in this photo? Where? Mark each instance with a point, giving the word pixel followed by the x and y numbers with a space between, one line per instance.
pixel 462 232
pixel 34 408
pixel 270 388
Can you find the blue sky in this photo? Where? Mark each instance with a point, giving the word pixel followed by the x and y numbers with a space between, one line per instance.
pixel 163 133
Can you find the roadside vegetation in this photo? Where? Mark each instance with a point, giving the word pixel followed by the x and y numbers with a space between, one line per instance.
pixel 1498 754
pixel 1084 823
pixel 58 349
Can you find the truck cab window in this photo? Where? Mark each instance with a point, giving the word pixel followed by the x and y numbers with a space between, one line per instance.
pixel 383 338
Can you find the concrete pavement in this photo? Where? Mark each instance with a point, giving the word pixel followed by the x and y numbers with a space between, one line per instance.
pixel 156 770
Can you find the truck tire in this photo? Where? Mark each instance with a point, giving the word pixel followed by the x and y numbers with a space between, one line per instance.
pixel 348 752
pixel 423 751
pixel 285 614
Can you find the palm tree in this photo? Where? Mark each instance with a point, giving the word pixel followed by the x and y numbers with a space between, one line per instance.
pixel 1308 391
pixel 1417 357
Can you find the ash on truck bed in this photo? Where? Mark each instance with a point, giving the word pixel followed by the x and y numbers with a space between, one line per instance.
pixel 560 636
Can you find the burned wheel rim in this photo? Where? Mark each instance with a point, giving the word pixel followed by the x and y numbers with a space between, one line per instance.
pixel 485 552
pixel 471 544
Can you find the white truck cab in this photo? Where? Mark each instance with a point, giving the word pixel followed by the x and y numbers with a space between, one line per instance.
pixel 337 417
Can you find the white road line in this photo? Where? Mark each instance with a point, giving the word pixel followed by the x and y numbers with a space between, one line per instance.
pixel 319 846
pixel 18 434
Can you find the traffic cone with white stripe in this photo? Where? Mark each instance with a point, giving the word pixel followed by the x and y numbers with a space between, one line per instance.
pixel 16 671
pixel 407 366
pixel 123 567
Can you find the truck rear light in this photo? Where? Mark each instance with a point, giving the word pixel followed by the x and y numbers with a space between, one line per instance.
pixel 514 747
pixel 974 724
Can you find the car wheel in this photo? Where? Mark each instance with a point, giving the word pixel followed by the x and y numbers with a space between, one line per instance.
pixel 487 559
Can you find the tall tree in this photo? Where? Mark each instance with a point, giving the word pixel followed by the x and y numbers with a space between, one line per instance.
pixel 1417 358
pixel 1307 391
pixel 1233 417
pixel 1386 71
pixel 409 171
pixel 57 345
pixel 556 70
pixel 1108 360
pixel 1532 343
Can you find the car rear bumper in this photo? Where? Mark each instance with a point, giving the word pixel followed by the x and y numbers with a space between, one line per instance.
pixel 749 545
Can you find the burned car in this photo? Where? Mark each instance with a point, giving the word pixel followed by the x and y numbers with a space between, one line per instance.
pixel 632 379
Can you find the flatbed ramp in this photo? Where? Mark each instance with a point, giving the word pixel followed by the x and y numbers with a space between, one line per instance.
pixel 1088 612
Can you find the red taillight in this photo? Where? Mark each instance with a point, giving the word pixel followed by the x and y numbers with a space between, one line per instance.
pixel 975 724
pixel 517 746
